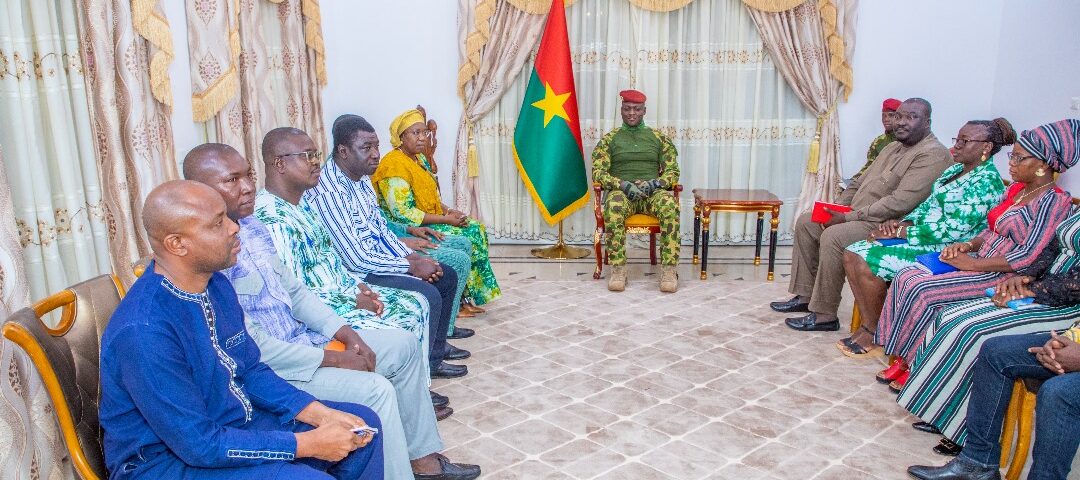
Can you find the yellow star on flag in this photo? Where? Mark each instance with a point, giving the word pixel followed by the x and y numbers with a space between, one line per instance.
pixel 552 105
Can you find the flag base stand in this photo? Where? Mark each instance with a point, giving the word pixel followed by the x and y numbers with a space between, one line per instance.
pixel 560 251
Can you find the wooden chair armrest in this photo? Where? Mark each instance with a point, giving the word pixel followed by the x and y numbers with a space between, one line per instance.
pixel 598 210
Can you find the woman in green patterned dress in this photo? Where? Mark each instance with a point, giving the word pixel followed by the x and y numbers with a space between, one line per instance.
pixel 409 194
pixel 955 211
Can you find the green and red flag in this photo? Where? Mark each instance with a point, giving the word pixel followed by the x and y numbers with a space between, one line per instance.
pixel 547 139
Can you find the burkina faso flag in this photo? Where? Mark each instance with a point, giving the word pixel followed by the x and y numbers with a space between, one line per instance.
pixel 547 139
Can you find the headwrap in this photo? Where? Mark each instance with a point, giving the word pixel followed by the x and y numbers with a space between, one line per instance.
pixel 402 123
pixel 632 96
pixel 1057 144
pixel 890 105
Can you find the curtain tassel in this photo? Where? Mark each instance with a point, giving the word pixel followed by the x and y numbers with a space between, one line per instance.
pixel 815 147
pixel 471 163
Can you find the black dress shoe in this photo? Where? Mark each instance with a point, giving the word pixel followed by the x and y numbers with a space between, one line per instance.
pixel 926 427
pixel 442 413
pixel 439 401
pixel 790 306
pixel 451 471
pixel 948 448
pixel 447 370
pixel 957 469
pixel 809 323
pixel 461 332
pixel 454 353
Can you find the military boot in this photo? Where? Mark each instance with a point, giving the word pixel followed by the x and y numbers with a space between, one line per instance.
pixel 617 281
pixel 669 279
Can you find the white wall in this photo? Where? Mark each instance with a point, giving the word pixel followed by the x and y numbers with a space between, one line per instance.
pixel 377 69
pixel 1038 67
pixel 972 59
pixel 945 52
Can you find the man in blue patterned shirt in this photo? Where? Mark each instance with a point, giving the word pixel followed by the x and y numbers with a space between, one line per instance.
pixel 183 393
pixel 380 368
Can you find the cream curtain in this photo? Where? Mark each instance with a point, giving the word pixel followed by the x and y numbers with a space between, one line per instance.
pixel 812 45
pixel 30 443
pixel 277 50
pixel 53 226
pixel 49 156
pixel 500 43
pixel 711 86
pixel 131 124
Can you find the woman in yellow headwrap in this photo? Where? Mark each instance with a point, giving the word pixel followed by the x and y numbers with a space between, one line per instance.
pixel 409 193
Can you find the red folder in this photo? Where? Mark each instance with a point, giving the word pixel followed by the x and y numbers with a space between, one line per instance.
pixel 819 215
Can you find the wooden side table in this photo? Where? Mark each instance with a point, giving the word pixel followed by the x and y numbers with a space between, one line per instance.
pixel 709 200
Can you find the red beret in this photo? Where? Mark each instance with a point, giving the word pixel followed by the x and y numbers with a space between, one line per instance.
pixel 632 96
pixel 890 105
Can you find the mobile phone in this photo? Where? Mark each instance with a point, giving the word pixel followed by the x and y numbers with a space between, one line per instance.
pixel 365 430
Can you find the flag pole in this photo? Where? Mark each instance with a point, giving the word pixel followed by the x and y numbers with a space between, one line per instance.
pixel 560 251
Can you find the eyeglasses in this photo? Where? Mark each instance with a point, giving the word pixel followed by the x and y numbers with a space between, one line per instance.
pixel 960 142
pixel 314 158
pixel 1016 158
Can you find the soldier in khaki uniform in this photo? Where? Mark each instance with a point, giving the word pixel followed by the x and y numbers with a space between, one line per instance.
pixel 638 166
pixel 896 182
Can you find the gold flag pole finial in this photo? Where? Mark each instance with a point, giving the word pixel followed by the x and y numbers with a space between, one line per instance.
pixel 560 251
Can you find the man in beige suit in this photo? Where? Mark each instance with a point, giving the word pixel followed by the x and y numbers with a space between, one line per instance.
pixel 895 184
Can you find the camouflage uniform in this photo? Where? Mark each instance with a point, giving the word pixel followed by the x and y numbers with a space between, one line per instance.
pixel 876 147
pixel 660 204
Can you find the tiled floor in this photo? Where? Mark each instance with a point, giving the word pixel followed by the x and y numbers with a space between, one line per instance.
pixel 569 380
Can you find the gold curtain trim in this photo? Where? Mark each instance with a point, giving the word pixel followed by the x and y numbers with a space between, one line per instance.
pixel 536 7
pixel 773 6
pixel 155 29
pixel 313 38
pixel 474 42
pixel 660 5
pixel 838 66
pixel 207 103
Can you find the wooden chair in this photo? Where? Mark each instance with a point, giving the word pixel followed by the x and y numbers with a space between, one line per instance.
pixel 637 224
pixel 1018 425
pixel 66 357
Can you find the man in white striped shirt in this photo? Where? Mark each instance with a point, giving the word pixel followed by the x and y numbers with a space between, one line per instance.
pixel 349 208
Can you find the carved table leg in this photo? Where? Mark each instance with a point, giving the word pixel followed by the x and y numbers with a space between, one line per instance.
pixel 697 230
pixel 757 235
pixel 774 222
pixel 705 220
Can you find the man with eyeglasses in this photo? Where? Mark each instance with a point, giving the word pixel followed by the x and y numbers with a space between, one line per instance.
pixel 293 166
pixel 895 183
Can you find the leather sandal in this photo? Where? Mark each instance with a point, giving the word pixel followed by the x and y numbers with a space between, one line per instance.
pixel 948 448
pixel 926 427
pixel 854 350
pixel 898 384
pixel 896 368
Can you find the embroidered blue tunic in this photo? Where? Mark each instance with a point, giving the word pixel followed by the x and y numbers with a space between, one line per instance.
pixel 179 373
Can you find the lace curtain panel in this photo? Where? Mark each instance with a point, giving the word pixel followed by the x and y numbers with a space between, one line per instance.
pixel 50 159
pixel 712 87
pixel 54 227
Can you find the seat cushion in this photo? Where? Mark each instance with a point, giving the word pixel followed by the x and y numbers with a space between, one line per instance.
pixel 641 220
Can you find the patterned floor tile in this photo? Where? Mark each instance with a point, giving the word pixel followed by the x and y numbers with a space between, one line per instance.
pixel 568 380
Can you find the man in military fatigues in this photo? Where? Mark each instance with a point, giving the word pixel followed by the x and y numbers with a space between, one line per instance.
pixel 637 167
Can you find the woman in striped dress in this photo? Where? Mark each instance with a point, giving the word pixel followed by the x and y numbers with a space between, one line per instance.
pixel 955 211
pixel 1019 229
pixel 937 390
